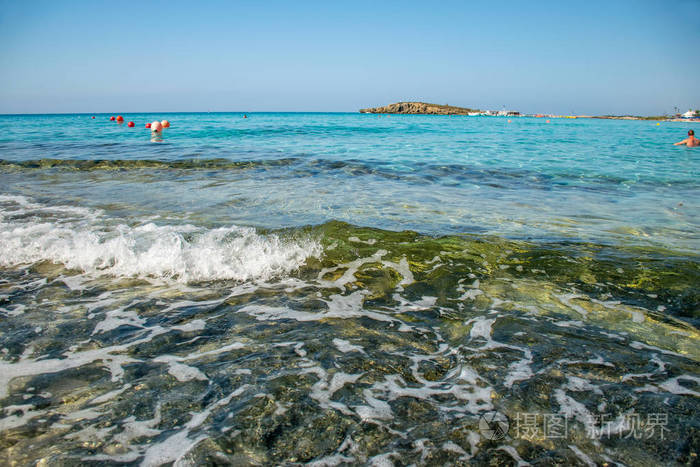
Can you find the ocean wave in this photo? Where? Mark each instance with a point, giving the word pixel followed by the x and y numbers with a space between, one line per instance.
pixel 88 241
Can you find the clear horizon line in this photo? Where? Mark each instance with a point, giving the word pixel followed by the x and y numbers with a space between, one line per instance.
pixel 182 112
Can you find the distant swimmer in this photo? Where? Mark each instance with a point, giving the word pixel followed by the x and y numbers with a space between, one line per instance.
pixel 156 132
pixel 156 127
pixel 691 141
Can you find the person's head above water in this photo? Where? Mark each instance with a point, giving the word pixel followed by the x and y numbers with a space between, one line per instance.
pixel 691 141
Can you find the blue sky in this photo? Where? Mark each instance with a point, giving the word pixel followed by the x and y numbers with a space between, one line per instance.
pixel 599 57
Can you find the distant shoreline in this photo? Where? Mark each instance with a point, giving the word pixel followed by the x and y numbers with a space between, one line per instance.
pixel 654 119
pixel 425 108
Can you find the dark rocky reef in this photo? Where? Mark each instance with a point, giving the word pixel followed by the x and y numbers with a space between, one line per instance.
pixel 422 108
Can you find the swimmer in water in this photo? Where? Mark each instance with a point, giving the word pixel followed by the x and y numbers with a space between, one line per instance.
pixel 691 141
pixel 156 132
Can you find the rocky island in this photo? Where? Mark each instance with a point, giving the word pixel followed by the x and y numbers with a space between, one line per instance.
pixel 422 108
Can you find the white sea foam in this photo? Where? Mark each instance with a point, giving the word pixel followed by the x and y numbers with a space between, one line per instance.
pixel 133 429
pixel 519 370
pixel 425 303
pixel 176 447
pixel 575 383
pixel 322 391
pixel 112 358
pixel 567 300
pixel 370 241
pixel 345 346
pixel 640 345
pixel 339 306
pixel 571 408
pixel 474 398
pixel 568 324
pixel 21 205
pixel 329 461
pixel 89 413
pixel 382 460
pixel 194 325
pixel 88 241
pixel 454 447
pixel 514 454
pixel 586 460
pixel 672 385
pixel 14 419
pixel 184 373
pixel 350 269
pixel 375 409
pixel 481 327
pixel 116 318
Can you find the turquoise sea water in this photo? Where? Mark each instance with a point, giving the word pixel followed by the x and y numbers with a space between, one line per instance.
pixel 347 288
pixel 611 181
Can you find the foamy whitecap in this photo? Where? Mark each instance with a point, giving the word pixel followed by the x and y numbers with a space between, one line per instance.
pixel 96 245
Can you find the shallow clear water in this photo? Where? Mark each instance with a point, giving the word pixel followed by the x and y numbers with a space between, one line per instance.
pixel 347 288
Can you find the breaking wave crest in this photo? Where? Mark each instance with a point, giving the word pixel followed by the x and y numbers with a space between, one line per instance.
pixel 88 241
